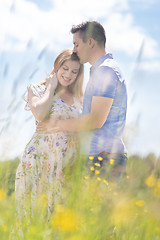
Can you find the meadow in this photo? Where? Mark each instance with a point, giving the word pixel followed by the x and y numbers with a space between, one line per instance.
pixel 93 208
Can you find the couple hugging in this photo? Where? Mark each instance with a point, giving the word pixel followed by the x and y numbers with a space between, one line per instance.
pixel 65 117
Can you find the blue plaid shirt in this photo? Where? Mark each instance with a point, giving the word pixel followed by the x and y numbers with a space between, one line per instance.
pixel 105 80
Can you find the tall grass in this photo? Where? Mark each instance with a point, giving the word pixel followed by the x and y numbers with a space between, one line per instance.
pixel 90 207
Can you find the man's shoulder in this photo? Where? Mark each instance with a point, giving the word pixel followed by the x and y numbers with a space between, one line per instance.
pixel 110 63
pixel 109 66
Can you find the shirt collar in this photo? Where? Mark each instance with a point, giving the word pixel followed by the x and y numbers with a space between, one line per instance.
pixel 101 60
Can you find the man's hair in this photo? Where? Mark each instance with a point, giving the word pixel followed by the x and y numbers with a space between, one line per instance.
pixel 90 29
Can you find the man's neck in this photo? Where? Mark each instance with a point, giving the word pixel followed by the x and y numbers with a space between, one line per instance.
pixel 97 54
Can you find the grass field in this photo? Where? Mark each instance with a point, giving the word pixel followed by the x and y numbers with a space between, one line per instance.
pixel 92 208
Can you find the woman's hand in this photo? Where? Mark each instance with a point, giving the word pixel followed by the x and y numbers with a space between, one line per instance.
pixel 52 81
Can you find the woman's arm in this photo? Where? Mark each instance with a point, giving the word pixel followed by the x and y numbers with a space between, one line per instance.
pixel 40 107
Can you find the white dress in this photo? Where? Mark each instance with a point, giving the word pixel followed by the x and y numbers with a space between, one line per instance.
pixel 41 168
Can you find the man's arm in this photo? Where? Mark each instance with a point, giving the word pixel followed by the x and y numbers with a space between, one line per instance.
pixel 95 119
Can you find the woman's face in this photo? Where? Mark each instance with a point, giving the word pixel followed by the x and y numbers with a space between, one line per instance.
pixel 68 72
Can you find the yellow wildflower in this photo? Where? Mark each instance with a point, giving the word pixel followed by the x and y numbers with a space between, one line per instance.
pixel 100 158
pixel 92 169
pixel 111 161
pixel 2 194
pixel 97 164
pixel 66 219
pixel 91 157
pixel 97 172
pixel 85 177
pixel 140 203
pixel 98 178
pixel 151 181
pixel 106 182
pixel 127 177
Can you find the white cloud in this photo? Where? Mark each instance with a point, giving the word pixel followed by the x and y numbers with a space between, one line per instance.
pixel 123 35
pixel 144 3
pixel 151 66
pixel 52 27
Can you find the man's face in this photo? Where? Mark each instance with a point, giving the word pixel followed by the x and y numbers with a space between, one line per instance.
pixel 80 48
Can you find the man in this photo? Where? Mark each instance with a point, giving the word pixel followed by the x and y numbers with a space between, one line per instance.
pixel 105 102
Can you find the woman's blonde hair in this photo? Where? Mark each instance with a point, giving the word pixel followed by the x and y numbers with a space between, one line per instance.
pixel 77 85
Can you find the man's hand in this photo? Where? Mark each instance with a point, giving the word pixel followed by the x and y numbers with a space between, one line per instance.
pixel 47 126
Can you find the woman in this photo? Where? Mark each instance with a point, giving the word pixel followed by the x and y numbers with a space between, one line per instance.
pixel 45 156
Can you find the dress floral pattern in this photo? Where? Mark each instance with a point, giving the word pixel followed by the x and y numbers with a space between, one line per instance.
pixel 41 168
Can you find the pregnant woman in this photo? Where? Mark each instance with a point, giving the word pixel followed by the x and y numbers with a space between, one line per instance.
pixel 45 156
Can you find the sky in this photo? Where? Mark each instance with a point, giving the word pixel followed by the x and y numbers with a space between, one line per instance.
pixel 33 32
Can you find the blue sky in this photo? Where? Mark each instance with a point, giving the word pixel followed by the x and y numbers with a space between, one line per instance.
pixel 33 32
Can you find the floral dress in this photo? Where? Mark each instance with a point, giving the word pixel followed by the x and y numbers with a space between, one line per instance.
pixel 41 168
